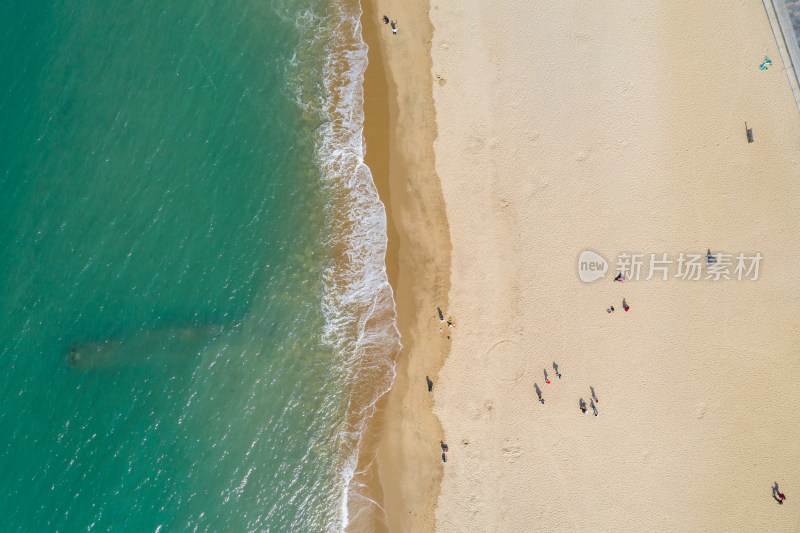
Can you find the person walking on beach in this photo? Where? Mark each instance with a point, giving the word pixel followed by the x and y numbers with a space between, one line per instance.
pixel 546 379
pixel 394 27
pixel 430 384
pixel 594 408
pixel 555 367
pixel 538 392
pixel 777 494
pixel 385 19
pixel 620 277
pixel 444 457
pixel 610 309
pixel 445 449
pixel 582 406
pixel 625 305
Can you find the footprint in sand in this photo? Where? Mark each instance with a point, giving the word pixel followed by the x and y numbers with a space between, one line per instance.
pixel 511 451
pixel 700 411
pixel 487 411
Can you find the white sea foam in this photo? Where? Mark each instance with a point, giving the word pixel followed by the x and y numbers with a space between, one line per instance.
pixel 358 300
pixel 358 303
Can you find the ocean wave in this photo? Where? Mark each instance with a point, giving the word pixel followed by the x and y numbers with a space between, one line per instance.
pixel 358 302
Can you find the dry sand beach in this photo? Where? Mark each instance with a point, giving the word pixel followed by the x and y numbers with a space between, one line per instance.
pixel 559 129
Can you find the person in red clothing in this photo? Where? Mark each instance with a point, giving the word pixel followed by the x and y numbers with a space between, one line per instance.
pixel 777 494
pixel 625 305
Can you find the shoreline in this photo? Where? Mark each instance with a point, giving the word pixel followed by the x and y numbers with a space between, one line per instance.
pixel 399 466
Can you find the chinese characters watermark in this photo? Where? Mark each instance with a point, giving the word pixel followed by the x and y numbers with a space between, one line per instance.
pixel 686 266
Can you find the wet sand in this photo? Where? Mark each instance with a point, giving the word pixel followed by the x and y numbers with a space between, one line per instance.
pixel 400 462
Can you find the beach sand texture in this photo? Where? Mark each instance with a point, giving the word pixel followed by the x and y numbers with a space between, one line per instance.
pixel 617 128
pixel 400 470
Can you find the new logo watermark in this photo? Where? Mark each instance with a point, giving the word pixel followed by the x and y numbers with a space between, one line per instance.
pixel 708 266
pixel 591 266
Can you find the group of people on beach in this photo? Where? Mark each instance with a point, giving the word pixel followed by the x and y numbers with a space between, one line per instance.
pixel 450 323
pixel 593 400
pixel 393 23
pixel 428 380
pixel 625 306
pixel 547 381
pixel 620 277
pixel 581 402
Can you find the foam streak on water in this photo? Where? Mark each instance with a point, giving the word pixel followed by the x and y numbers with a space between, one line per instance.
pixel 358 301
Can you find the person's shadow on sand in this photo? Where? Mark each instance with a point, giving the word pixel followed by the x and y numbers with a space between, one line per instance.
pixel 538 392
pixel 776 493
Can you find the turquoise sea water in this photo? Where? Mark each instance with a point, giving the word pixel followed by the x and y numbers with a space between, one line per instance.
pixel 195 314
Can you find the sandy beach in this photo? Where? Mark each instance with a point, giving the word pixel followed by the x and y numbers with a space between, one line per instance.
pixel 559 129
pixel 400 469
pixel 618 130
